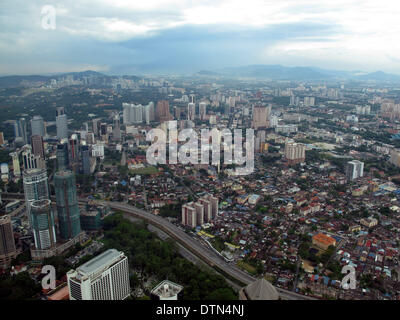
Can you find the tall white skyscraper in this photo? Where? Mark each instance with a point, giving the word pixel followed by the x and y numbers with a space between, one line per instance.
pixel 191 111
pixel 105 277
pixel 37 125
pixel 61 124
pixel 354 169
pixel 35 186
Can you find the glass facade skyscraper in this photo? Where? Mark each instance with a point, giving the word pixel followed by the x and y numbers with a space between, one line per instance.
pixel 67 204
pixel 43 228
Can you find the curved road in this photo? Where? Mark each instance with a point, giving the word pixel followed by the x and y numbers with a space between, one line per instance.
pixel 199 250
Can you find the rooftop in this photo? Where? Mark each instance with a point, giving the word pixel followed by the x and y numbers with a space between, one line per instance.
pixel 101 261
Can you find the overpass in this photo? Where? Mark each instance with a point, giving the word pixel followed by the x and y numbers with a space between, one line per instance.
pixel 208 256
pixel 204 253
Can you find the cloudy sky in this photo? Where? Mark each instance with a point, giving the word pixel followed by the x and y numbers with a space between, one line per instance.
pixel 130 36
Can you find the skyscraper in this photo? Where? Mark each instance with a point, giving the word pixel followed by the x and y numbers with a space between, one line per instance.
pixel 62 155
pixel 32 161
pixel 35 186
pixel 7 244
pixel 295 152
pixel 261 116
pixel 116 128
pixel 67 204
pixel 61 124
pixel 191 111
pixel 85 156
pixel 42 219
pixel 20 131
pixel 37 125
pixel 202 110
pixel 162 111
pixel 105 277
pixel 37 145
pixel 16 167
pixel 354 170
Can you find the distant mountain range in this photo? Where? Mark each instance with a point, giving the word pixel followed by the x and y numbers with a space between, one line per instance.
pixel 273 72
pixel 278 72
pixel 15 81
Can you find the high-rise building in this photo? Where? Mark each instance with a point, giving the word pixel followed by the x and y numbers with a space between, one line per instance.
pixel 189 215
pixel 116 128
pixel 37 145
pixel 62 155
pixel 202 110
pixel 7 244
pixel 196 213
pixel 354 170
pixel 191 111
pixel 162 111
pixel 61 124
pixel 35 186
pixel 85 157
pixel 261 116
pixel 295 152
pixel 16 167
pixel 67 204
pixel 37 125
pixel 105 277
pixel 73 148
pixel 31 161
pixel 42 222
pixel 20 131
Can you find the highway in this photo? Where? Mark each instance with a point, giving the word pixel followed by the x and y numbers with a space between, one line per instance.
pixel 201 251
pixel 205 253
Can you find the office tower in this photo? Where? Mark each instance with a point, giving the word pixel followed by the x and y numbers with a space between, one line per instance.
pixel 37 145
pixel 62 155
pixel 7 244
pixel 105 277
pixel 167 290
pixel 1 138
pixel 35 186
pixel 85 156
pixel 15 160
pixel 37 125
pixel 162 111
pixel 20 131
pixel 354 170
pixel 31 161
pixel 202 110
pixel 189 215
pixel 191 111
pixel 73 148
pixel 42 222
pixel 96 127
pixel 61 124
pixel 116 128
pixel 295 152
pixel 67 204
